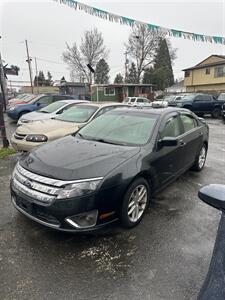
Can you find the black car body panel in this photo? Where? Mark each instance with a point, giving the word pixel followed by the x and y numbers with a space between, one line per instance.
pixel 82 157
pixel 74 158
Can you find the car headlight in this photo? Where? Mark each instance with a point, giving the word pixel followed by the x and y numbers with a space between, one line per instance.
pixel 179 104
pixel 36 138
pixel 12 108
pixel 79 189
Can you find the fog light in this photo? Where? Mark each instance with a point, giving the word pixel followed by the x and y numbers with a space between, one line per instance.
pixel 84 220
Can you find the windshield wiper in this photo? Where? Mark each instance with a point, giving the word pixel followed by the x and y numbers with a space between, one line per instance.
pixel 80 135
pixel 108 142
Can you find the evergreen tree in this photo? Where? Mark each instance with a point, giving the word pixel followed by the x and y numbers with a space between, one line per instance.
pixel 148 76
pixel 163 72
pixel 132 75
pixel 49 79
pixel 118 78
pixel 41 78
pixel 102 72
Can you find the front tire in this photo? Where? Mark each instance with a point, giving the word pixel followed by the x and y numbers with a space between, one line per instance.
pixel 200 159
pixel 135 203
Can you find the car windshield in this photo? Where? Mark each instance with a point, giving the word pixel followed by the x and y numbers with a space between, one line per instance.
pixel 78 114
pixel 52 107
pixel 221 97
pixel 169 98
pixel 120 128
pixel 188 97
pixel 126 100
pixel 28 98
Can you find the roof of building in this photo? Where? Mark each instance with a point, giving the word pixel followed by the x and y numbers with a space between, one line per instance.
pixel 177 84
pixel 66 83
pixel 201 65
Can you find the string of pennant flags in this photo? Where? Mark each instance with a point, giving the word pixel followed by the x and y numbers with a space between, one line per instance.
pixel 131 22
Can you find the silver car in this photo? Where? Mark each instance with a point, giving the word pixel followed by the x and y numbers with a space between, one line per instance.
pixel 48 112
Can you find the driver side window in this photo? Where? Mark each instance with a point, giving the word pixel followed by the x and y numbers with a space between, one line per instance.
pixel 171 128
pixel 44 101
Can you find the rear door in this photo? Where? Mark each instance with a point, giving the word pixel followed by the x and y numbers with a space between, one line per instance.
pixel 191 139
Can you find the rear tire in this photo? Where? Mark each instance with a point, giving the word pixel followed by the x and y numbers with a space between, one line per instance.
pixel 200 159
pixel 216 113
pixel 135 203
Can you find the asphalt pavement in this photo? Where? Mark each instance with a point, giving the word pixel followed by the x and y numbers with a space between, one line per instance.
pixel 165 257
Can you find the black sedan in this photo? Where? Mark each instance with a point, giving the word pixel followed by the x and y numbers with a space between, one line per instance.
pixel 110 169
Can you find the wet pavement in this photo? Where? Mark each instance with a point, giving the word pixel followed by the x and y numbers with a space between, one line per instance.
pixel 165 257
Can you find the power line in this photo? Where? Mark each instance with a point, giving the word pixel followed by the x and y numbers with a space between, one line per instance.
pixel 50 61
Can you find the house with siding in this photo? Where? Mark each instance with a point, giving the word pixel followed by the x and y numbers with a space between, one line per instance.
pixel 206 76
pixel 117 92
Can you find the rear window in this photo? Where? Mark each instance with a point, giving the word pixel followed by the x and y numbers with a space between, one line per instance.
pixel 52 107
pixel 78 114
pixel 221 97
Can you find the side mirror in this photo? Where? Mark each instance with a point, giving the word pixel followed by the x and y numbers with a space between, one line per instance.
pixel 213 195
pixel 168 142
pixel 202 120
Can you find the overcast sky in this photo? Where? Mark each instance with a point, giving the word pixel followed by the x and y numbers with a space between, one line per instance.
pixel 48 25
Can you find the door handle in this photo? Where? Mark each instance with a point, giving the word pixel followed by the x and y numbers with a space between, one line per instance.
pixel 182 143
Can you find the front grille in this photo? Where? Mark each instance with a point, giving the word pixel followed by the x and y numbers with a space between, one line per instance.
pixel 19 136
pixel 38 187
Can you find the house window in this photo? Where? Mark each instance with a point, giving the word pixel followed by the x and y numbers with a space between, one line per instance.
pixel 207 71
pixel 109 91
pixel 187 73
pixel 220 71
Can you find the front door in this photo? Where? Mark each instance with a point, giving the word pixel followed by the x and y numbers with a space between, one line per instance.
pixel 168 162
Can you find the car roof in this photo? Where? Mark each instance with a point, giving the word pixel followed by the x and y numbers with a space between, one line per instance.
pixel 102 104
pixel 68 101
pixel 153 110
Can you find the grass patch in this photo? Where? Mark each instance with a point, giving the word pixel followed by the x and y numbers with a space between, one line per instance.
pixel 4 152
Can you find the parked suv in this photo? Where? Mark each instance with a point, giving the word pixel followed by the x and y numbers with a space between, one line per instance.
pixel 15 112
pixel 201 104
pixel 137 101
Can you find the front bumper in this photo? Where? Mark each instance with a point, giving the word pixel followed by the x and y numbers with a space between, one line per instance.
pixel 12 114
pixel 23 145
pixel 54 215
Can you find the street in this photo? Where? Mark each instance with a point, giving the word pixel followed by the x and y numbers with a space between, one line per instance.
pixel 165 257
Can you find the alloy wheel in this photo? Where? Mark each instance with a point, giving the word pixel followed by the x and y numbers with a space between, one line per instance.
pixel 202 157
pixel 137 203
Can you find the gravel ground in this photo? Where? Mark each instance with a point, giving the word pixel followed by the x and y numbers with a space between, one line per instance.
pixel 165 257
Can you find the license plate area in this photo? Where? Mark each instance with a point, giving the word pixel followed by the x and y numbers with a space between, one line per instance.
pixel 25 205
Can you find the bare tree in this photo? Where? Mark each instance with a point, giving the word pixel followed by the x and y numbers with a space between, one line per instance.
pixel 141 47
pixel 90 51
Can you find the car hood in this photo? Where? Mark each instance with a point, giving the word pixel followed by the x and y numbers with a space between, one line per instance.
pixel 51 128
pixel 36 115
pixel 71 158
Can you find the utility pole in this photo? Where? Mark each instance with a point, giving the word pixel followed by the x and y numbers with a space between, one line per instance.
pixel 35 59
pixel 2 104
pixel 126 66
pixel 29 65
